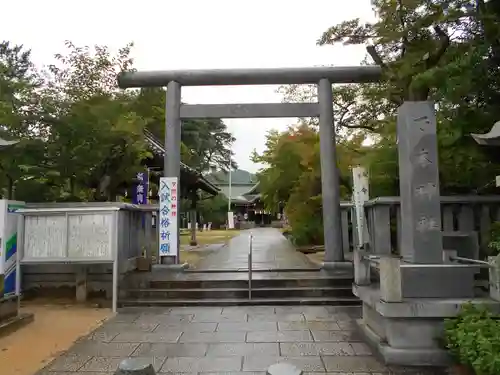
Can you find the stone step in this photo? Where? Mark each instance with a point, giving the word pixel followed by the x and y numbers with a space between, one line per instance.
pixel 213 293
pixel 331 301
pixel 256 283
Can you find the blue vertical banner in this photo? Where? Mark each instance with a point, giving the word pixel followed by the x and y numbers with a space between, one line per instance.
pixel 168 231
pixel 140 195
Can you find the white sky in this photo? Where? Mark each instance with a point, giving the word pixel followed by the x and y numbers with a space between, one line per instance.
pixel 195 34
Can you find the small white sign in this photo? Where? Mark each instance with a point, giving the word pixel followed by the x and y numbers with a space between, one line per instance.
pixel 498 181
pixel 230 220
pixel 168 233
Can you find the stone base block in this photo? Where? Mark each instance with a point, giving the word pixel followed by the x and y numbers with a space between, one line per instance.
pixel 437 281
pixel 409 332
pixel 172 267
pixel 402 356
pixel 338 266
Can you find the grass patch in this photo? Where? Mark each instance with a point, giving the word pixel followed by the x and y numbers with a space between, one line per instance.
pixel 193 256
pixel 209 237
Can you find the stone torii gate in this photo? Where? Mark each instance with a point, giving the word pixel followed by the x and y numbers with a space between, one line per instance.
pixel 323 77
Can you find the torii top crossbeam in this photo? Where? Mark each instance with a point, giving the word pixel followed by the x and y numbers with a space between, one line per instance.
pixel 277 76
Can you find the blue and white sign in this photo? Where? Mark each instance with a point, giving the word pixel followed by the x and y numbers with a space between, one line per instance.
pixel 168 230
pixel 140 195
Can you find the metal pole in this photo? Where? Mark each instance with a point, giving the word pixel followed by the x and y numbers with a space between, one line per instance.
pixel 172 158
pixel 332 225
pixel 230 180
pixel 229 212
pixel 250 261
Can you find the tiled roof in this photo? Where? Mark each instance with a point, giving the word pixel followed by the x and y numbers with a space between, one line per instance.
pixel 238 177
pixel 158 149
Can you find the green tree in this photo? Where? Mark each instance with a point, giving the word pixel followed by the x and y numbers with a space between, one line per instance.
pixel 19 81
pixel 442 50
pixel 292 175
pixel 95 141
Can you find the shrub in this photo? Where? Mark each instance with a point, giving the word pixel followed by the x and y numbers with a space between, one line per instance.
pixel 473 338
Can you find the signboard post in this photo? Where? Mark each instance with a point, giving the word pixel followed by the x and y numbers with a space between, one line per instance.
pixel 168 221
pixel 360 194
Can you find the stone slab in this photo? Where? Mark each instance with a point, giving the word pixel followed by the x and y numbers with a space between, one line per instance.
pixel 243 349
pixel 298 349
pixel 110 364
pixel 403 357
pixel 208 353
pixel 212 337
pixel 281 336
pixel 311 325
pixel 261 363
pixel 207 364
pixel 247 326
pixel 170 350
pixel 353 364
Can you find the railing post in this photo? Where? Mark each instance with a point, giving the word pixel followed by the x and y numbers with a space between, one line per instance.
pixel 390 279
pixel 382 229
pixel 361 268
pixel 494 277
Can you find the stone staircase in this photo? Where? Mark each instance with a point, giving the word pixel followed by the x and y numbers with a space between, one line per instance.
pixel 272 287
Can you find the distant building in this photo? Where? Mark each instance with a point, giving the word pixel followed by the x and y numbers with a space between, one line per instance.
pixel 245 198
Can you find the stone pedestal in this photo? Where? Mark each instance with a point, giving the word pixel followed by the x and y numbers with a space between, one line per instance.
pixel 409 332
pixel 403 313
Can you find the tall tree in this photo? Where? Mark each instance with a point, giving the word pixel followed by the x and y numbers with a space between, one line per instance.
pixel 205 143
pixel 96 141
pixel 18 117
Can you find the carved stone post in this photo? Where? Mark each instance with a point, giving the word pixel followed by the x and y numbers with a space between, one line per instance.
pixel 421 240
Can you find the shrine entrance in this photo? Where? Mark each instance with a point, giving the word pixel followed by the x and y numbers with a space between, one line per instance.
pixel 323 77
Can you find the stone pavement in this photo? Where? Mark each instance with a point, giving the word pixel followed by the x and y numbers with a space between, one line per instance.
pixel 226 340
pixel 271 250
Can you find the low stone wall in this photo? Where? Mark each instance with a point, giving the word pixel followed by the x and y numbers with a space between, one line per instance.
pixel 277 224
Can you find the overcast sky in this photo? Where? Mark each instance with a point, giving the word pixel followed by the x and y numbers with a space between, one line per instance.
pixel 195 34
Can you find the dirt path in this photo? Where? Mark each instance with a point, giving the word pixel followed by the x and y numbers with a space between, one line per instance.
pixel 55 329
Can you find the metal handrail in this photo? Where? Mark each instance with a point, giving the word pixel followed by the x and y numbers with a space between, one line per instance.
pixel 250 266
pixel 480 263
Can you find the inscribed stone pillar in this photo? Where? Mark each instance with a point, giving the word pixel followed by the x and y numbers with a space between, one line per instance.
pixel 421 240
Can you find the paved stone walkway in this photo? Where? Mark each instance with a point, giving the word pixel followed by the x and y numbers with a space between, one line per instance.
pixel 226 340
pixel 271 250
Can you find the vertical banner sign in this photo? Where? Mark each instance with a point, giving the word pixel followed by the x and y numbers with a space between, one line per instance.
pixel 361 194
pixel 168 230
pixel 140 195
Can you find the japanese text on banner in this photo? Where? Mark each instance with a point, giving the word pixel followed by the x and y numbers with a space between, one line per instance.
pixel 168 241
pixel 140 195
